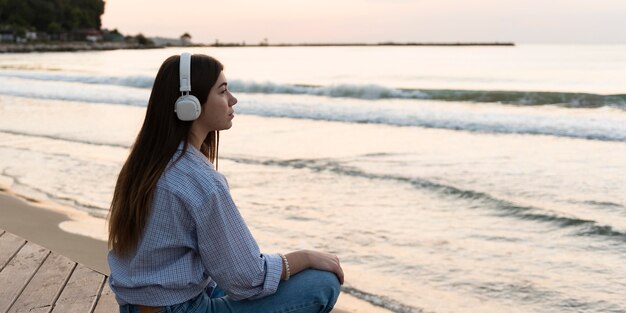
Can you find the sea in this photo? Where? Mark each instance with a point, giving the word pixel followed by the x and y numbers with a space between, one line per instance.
pixel 447 179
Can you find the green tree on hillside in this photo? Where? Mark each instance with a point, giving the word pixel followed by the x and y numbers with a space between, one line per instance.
pixel 48 15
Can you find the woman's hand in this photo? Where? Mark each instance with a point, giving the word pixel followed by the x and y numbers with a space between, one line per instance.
pixel 301 260
pixel 326 262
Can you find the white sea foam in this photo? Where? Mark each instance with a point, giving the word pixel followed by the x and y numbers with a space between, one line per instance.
pixel 128 81
pixel 607 124
pixel 73 91
pixel 357 91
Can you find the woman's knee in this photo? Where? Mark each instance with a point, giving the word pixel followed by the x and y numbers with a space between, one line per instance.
pixel 324 285
pixel 331 282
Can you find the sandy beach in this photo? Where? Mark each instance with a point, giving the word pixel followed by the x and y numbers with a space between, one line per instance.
pixel 40 223
pixel 29 220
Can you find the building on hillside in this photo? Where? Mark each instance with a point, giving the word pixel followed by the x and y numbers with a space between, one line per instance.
pixel 7 35
pixel 185 39
pixel 92 35
pixel 112 35
pixel 162 41
pixel 43 36
pixel 31 35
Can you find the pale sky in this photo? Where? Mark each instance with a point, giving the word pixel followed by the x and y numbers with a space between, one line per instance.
pixel 372 21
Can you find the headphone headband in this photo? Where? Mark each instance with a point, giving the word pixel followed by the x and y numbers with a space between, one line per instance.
pixel 185 72
pixel 187 107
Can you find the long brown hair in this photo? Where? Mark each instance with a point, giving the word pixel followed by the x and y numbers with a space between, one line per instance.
pixel 156 144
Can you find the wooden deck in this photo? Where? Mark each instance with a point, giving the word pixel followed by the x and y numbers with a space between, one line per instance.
pixel 34 279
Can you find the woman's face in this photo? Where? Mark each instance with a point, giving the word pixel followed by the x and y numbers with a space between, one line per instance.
pixel 217 112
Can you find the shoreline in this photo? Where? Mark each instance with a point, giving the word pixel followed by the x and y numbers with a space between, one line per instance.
pixel 39 222
pixel 42 223
pixel 72 46
pixel 101 46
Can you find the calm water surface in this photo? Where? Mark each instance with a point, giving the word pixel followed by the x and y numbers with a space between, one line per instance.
pixel 470 179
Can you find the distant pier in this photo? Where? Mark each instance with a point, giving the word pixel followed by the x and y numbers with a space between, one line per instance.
pixel 357 44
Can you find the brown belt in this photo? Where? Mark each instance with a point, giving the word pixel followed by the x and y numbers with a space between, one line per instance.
pixel 148 309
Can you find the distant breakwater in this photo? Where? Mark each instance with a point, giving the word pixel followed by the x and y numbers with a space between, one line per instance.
pixel 361 44
pixel 70 46
pixel 436 44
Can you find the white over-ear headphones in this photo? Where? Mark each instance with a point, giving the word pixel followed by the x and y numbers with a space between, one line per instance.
pixel 187 107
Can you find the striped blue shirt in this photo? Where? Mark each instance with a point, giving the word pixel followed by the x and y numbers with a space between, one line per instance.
pixel 195 236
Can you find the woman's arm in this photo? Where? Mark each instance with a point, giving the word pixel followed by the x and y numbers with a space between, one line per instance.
pixel 304 259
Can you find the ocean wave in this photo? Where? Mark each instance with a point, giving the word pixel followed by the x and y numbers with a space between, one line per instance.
pixel 375 92
pixel 604 125
pixel 68 91
pixel 505 208
pixel 368 91
pixel 365 91
pixel 530 98
pixel 601 126
pixel 64 138
pixel 137 81
pixel 49 192
pixel 381 301
pixel 95 210
pixel 605 204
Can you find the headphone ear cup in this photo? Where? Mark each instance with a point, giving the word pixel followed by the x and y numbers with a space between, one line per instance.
pixel 187 108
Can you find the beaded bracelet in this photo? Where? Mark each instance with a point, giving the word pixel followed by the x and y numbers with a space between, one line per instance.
pixel 288 273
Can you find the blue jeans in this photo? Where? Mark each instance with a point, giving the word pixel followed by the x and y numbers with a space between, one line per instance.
pixel 310 291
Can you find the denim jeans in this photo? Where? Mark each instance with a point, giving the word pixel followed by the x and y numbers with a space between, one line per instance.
pixel 310 291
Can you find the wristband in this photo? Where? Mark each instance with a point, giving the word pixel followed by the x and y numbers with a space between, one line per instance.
pixel 287 272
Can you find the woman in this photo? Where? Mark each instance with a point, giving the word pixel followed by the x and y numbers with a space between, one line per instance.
pixel 178 242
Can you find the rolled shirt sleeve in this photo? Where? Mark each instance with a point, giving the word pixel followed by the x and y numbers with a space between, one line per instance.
pixel 227 249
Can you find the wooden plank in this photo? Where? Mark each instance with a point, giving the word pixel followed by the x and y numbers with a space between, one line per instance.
pixel 107 302
pixel 9 246
pixel 18 272
pixel 46 285
pixel 79 295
